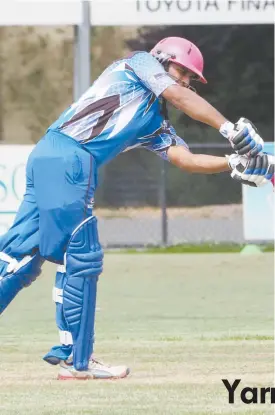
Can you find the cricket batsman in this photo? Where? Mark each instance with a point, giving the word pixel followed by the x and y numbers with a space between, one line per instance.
pixel 125 108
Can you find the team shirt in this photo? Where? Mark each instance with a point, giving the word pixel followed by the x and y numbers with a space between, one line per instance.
pixel 122 110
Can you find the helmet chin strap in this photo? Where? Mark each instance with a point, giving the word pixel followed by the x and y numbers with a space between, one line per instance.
pixel 184 84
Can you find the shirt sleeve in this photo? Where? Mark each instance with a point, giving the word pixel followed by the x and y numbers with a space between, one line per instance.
pixel 151 72
pixel 164 141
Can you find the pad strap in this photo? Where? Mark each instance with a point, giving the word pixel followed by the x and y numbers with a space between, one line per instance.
pixel 65 338
pixel 58 295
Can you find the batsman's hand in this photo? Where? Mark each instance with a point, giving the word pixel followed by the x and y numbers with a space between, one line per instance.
pixel 243 137
pixel 255 171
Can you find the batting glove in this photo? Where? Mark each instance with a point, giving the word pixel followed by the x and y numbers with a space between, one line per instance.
pixel 243 137
pixel 256 171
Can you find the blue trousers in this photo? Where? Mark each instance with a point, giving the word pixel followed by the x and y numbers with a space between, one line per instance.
pixel 60 186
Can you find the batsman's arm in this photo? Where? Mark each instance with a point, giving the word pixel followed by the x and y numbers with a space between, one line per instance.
pixel 196 163
pixel 194 106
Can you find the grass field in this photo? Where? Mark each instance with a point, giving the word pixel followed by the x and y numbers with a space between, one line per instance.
pixel 181 322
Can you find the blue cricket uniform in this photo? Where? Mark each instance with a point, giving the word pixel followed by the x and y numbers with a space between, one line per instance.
pixel 120 111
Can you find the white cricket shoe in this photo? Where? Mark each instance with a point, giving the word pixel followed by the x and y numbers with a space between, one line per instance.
pixel 96 370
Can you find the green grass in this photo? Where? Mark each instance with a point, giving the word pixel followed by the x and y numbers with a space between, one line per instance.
pixel 181 322
pixel 193 249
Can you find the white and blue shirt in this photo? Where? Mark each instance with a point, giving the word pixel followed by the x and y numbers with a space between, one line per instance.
pixel 122 110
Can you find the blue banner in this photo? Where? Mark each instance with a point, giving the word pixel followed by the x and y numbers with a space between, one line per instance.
pixel 258 209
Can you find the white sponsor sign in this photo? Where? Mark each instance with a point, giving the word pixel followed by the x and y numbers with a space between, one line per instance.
pixel 182 12
pixel 137 12
pixel 258 209
pixel 13 159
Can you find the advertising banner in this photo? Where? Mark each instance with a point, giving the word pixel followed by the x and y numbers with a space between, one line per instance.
pixel 13 159
pixel 258 209
pixel 137 12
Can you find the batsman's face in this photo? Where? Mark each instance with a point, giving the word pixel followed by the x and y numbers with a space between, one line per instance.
pixel 181 75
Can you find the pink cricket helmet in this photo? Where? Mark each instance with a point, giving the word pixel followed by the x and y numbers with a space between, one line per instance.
pixel 182 52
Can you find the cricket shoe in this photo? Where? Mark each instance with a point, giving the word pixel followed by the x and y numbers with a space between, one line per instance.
pixel 96 370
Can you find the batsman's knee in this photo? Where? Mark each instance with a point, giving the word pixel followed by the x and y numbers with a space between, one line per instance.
pixel 84 256
pixel 16 274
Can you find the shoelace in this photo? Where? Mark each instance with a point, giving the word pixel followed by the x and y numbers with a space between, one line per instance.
pixel 69 362
pixel 98 362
